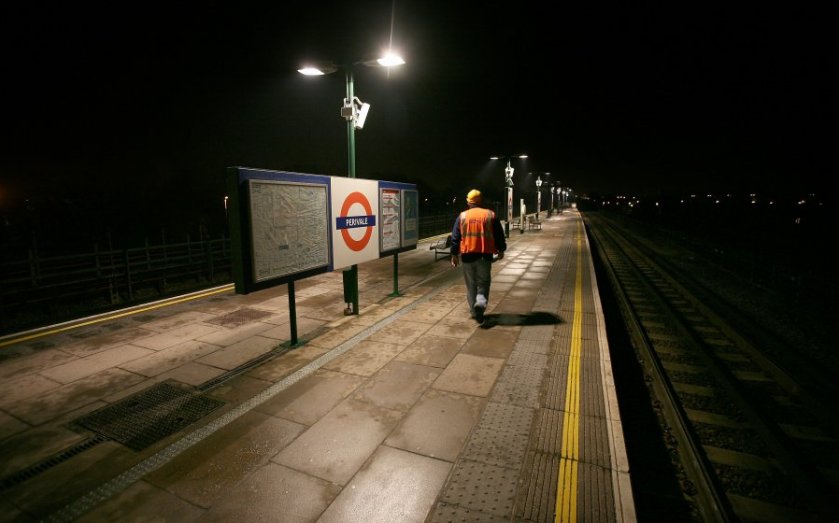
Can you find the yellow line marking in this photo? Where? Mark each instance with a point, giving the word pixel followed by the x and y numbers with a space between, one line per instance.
pixel 566 487
pixel 107 317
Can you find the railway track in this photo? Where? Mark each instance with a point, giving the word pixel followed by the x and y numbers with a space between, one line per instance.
pixel 752 438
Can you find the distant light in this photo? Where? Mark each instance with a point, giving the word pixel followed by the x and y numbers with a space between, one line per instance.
pixel 311 71
pixel 522 156
pixel 390 60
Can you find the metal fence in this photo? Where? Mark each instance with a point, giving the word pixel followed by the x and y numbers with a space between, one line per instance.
pixel 43 289
pixel 40 289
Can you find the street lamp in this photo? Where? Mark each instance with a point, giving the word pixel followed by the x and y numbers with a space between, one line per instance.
pixel 354 111
pixel 508 183
pixel 559 197
pixel 539 184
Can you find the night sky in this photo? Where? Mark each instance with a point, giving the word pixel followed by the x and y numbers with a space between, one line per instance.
pixel 136 109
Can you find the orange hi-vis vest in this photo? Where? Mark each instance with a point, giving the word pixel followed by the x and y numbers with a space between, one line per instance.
pixel 476 231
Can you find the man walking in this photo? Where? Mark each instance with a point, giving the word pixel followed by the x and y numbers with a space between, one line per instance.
pixel 476 236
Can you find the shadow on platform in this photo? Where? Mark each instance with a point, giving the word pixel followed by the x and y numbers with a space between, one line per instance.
pixel 533 318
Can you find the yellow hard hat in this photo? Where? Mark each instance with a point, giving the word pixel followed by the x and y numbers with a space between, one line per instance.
pixel 473 197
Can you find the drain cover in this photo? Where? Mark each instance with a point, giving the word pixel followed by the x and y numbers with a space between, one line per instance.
pixel 149 416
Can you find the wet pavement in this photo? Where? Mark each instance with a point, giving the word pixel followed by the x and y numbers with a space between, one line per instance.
pixel 199 409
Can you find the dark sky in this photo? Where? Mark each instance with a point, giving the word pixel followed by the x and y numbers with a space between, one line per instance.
pixel 124 102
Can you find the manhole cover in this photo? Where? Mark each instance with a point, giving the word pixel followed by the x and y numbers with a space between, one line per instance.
pixel 239 317
pixel 149 416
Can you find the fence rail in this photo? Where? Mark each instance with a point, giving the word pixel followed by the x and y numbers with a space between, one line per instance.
pixel 38 290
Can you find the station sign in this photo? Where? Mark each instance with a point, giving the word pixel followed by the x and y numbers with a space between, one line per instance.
pixel 287 226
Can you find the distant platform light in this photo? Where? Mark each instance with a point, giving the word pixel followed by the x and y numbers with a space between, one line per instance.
pixel 390 59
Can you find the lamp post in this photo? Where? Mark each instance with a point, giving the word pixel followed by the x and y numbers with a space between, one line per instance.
pixel 539 183
pixel 551 190
pixel 354 111
pixel 559 197
pixel 508 183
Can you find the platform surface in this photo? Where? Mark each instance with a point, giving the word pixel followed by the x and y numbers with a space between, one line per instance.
pixel 200 409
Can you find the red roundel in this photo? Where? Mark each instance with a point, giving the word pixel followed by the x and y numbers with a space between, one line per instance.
pixel 356 197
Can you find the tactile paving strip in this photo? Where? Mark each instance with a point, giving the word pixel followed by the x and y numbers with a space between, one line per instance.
pixel 149 416
pixel 519 385
pixel 519 358
pixel 540 333
pixel 447 513
pixel 482 487
pixel 501 435
pixel 538 490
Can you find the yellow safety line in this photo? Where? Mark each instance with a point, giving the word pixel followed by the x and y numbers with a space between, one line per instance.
pixel 566 487
pixel 107 317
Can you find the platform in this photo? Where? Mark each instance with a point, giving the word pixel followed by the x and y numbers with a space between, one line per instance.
pixel 199 409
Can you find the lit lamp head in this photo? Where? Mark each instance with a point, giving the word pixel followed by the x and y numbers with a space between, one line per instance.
pixel 539 181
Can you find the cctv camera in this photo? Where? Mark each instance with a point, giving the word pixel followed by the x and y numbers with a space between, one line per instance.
pixel 362 115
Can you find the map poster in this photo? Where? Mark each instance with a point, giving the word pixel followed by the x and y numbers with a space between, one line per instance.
pixel 410 217
pixel 389 228
pixel 289 228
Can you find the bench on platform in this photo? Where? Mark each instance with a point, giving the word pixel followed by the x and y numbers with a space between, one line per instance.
pixel 533 223
pixel 442 246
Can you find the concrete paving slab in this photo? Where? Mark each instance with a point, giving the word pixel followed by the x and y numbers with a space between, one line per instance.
pixel 90 365
pixel 170 320
pixel 56 402
pixel 309 399
pixel 20 388
pixel 431 350
pixel 23 364
pixel 239 353
pixel 287 362
pixel 402 332
pixel 169 358
pixel 230 335
pixel 468 374
pixel 207 470
pixel 176 336
pixel 496 342
pixel 335 447
pixel 106 340
pixel 366 358
pixel 398 385
pixel 274 493
pixel 395 486
pixel 238 389
pixel 10 426
pixel 191 373
pixel 438 425
pixel 143 502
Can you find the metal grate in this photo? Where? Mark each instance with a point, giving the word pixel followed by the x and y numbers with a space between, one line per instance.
pixel 149 416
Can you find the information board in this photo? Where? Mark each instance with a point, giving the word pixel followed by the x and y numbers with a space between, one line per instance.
pixel 390 228
pixel 289 228
pixel 410 217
